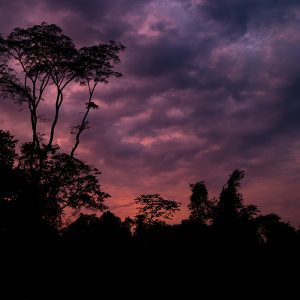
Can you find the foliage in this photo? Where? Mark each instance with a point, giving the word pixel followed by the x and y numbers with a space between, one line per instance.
pixel 152 207
pixel 230 208
pixel 48 59
pixel 276 233
pixel 33 62
pixel 7 149
pixel 40 183
pixel 201 207
pixel 65 183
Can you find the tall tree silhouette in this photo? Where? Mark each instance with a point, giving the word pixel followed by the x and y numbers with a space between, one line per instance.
pixel 231 201
pixel 234 221
pixel 201 207
pixel 48 61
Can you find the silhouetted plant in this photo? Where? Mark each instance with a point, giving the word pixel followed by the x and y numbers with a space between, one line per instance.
pixel 40 183
pixel 276 233
pixel 152 207
pixel 234 221
pixel 106 232
pixel 78 185
pixel 48 58
pixel 11 178
pixel 230 207
pixel 201 208
pixel 7 150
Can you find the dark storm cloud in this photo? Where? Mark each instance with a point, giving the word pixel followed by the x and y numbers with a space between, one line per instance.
pixel 236 16
pixel 94 9
pixel 13 14
pixel 93 19
pixel 172 60
pixel 207 88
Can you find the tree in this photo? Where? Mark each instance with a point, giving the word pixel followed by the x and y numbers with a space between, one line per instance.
pixel 66 183
pixel 275 233
pixel 153 207
pixel 7 177
pixel 10 177
pixel 201 207
pixel 230 201
pixel 78 186
pixel 107 231
pixel 7 150
pixel 47 60
pixel 234 221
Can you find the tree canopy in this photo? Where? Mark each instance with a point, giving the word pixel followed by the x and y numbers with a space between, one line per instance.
pixel 153 207
pixel 201 208
pixel 46 58
pixel 43 253
pixel 37 65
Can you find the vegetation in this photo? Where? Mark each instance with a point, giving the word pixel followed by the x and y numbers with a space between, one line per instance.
pixel 47 255
pixel 46 59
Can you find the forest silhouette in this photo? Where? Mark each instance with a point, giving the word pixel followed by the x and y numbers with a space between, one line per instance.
pixel 223 246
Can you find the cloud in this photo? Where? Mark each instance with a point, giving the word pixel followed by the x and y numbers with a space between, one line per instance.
pixel 208 86
pixel 237 17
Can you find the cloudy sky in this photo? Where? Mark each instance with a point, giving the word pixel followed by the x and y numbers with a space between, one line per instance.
pixel 208 86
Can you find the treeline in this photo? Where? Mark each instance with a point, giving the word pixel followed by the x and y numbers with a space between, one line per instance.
pixel 44 252
pixel 50 249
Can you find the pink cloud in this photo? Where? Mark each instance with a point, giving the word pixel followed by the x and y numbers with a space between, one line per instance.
pixel 201 95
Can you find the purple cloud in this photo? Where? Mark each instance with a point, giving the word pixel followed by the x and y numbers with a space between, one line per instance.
pixel 208 86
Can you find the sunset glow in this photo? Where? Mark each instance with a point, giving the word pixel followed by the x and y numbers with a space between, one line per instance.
pixel 207 87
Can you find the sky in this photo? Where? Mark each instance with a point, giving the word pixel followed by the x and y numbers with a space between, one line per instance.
pixel 208 87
